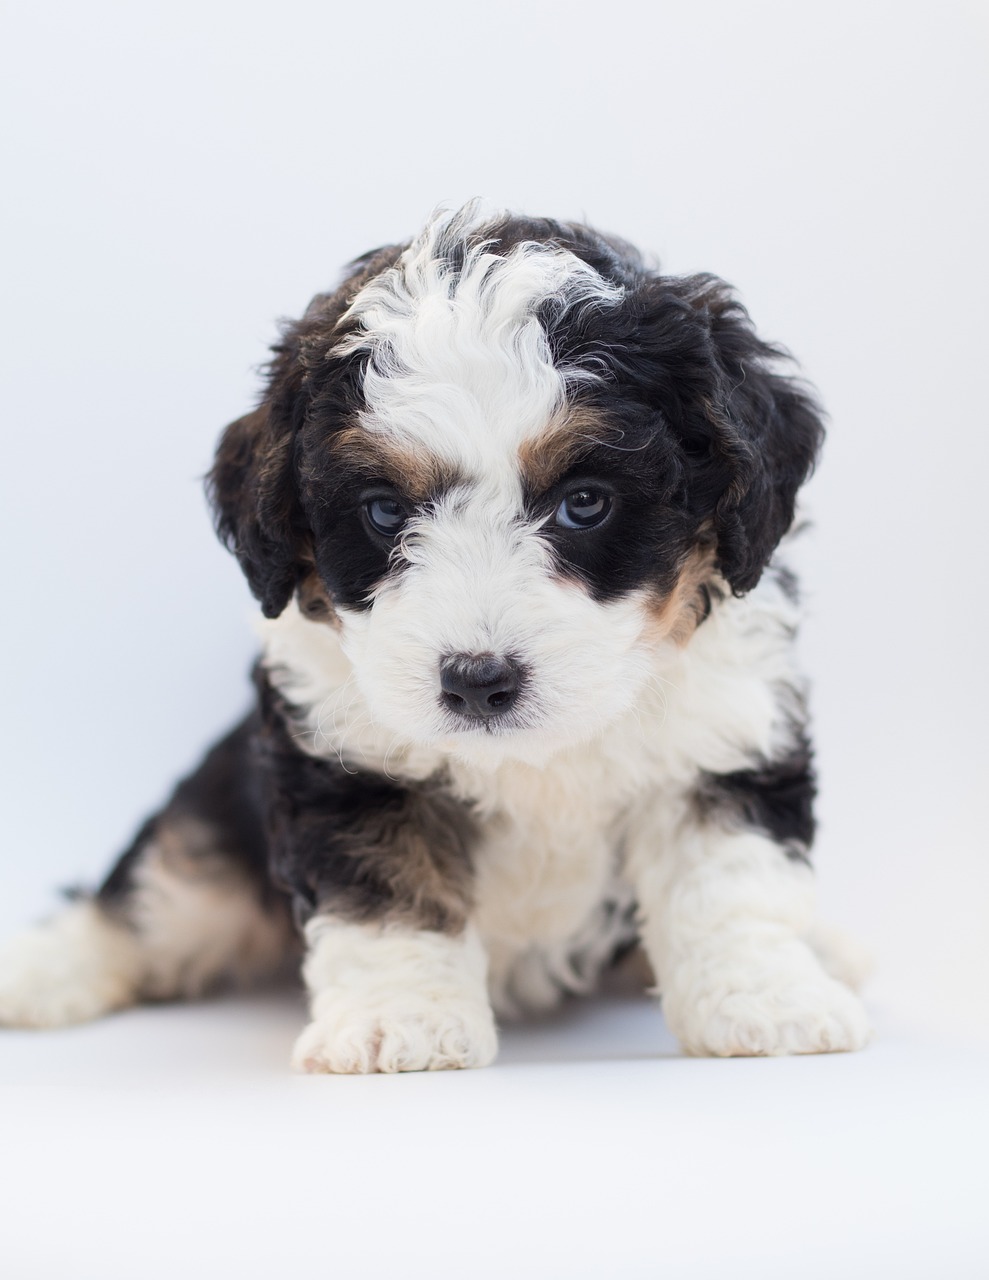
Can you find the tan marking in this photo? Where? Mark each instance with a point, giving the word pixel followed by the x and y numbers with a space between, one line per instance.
pixel 417 852
pixel 414 474
pixel 632 973
pixel 677 615
pixel 314 600
pixel 198 918
pixel 554 451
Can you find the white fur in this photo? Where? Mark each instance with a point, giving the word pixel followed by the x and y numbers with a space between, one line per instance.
pixel 615 725
pixel 390 999
pixel 458 363
pixel 76 966
pixel 723 919
pixel 478 582
pixel 584 791
pixel 547 857
pixel 189 924
pixel 459 367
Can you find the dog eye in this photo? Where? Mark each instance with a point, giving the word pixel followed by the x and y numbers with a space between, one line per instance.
pixel 583 509
pixel 386 515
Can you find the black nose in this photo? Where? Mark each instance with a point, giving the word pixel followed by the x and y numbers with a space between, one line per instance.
pixel 479 684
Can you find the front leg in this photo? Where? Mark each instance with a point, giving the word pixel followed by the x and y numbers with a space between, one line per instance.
pixel 381 879
pixel 387 998
pixel 725 912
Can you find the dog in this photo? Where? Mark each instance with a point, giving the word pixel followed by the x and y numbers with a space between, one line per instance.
pixel 527 697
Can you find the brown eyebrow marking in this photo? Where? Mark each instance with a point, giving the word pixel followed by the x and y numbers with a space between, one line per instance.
pixel 575 429
pixel 417 474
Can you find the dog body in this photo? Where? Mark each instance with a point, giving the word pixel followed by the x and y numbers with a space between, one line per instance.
pixel 527 694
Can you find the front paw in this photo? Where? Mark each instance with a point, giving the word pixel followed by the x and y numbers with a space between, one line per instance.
pixel 754 1005
pixel 410 1033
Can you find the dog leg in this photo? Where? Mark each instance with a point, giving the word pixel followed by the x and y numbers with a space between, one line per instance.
pixel 186 907
pixel 76 966
pixel 180 922
pixel 381 873
pixel 724 914
pixel 387 998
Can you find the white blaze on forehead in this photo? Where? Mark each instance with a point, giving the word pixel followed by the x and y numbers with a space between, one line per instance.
pixel 458 363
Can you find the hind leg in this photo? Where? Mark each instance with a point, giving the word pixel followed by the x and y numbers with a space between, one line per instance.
pixel 74 967
pixel 181 919
pixel 187 907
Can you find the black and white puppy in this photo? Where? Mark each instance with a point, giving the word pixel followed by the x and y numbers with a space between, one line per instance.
pixel 527 694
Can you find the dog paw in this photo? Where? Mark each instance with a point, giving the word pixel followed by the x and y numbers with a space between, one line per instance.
pixel 751 1009
pixel 415 1035
pixel 71 969
pixel 842 956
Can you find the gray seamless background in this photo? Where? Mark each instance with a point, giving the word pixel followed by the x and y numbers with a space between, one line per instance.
pixel 178 175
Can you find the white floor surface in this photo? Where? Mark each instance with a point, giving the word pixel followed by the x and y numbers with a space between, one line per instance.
pixel 174 1141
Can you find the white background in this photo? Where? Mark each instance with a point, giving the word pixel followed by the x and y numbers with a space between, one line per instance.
pixel 179 175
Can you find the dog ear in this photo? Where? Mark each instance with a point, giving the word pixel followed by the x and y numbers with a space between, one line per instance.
pixel 751 434
pixel 252 491
pixel 253 486
pixel 772 427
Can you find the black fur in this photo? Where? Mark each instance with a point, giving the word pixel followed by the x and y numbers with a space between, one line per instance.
pixel 706 433
pixel 261 469
pixel 697 440
pixel 115 890
pixel 705 430
pixel 775 798
pixel 699 443
pixel 223 796
pixel 702 438
pixel 356 843
pixel 311 833
pixel 650 528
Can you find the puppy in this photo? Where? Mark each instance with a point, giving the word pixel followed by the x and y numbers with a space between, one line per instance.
pixel 527 696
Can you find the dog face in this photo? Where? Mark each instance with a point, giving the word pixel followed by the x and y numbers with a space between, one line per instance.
pixel 506 461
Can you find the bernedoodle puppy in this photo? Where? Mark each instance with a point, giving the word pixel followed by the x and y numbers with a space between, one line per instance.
pixel 527 697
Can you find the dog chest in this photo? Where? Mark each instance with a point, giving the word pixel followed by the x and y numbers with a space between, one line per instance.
pixel 547 853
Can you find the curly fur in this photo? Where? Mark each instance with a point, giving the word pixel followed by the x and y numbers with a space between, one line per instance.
pixel 645 774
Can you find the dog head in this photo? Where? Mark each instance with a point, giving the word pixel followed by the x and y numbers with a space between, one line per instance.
pixel 506 460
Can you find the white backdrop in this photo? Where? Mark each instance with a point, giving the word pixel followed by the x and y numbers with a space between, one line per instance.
pixel 179 175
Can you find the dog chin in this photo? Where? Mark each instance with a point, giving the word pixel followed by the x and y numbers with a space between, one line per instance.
pixel 486 754
pixel 487 745
pixel 485 750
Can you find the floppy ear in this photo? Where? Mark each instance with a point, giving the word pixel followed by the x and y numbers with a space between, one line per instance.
pixel 767 431
pixel 771 429
pixel 255 506
pixel 253 485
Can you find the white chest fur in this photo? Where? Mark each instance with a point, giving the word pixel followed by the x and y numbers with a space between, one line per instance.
pixel 550 902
